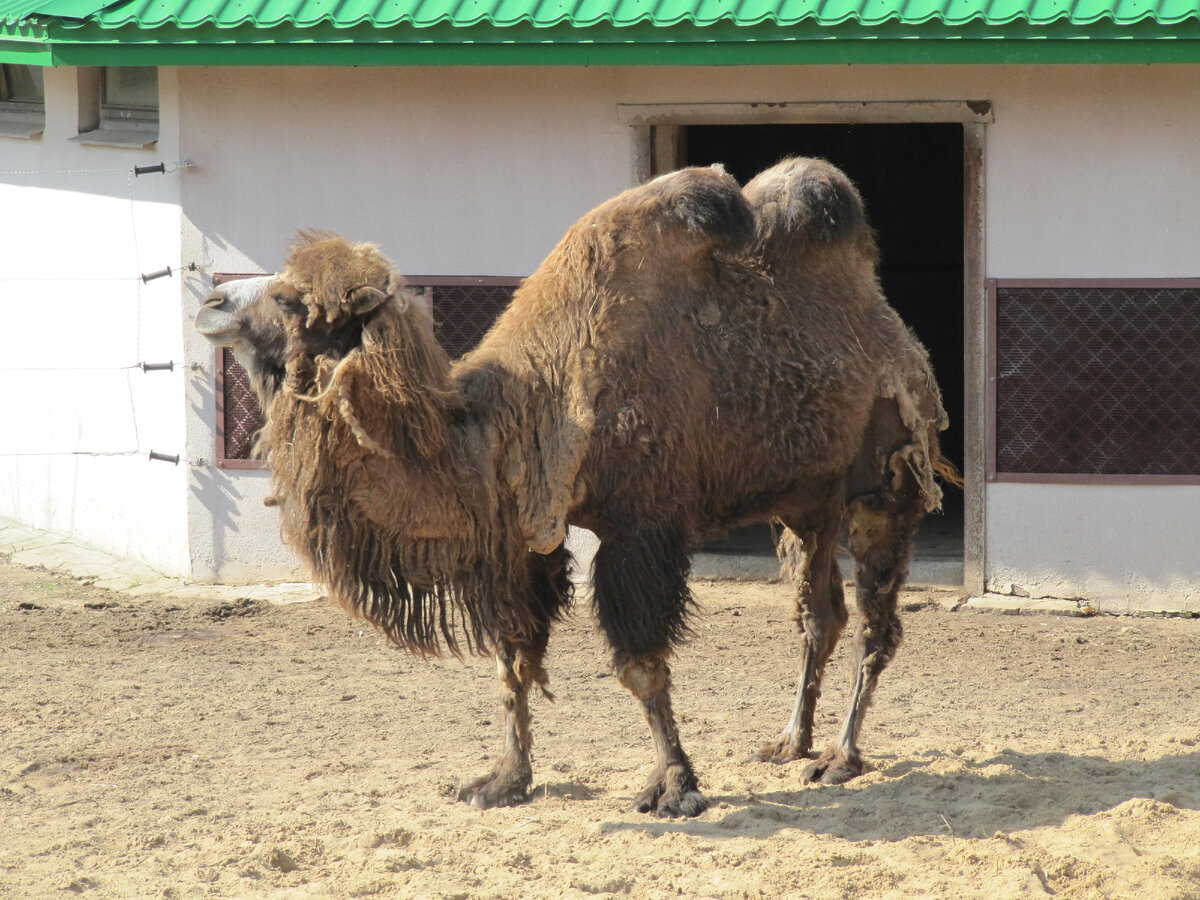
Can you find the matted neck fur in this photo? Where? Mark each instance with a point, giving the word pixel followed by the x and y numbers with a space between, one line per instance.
pixel 691 357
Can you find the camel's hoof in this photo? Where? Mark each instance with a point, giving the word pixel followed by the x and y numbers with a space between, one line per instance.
pixel 492 791
pixel 673 796
pixel 832 767
pixel 670 806
pixel 780 752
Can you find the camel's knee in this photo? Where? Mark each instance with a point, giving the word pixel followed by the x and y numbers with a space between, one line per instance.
pixel 878 643
pixel 643 676
pixel 506 668
pixel 812 567
pixel 521 668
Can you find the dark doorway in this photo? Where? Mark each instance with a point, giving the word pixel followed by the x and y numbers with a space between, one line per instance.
pixel 911 177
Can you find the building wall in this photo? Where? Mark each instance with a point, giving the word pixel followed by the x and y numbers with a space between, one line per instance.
pixel 1090 172
pixel 76 232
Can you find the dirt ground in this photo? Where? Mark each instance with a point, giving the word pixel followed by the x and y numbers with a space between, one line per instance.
pixel 155 748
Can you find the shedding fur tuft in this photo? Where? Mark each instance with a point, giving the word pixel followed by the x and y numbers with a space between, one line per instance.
pixel 328 270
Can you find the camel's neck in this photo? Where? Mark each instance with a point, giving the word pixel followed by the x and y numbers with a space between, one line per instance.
pixel 385 494
pixel 379 427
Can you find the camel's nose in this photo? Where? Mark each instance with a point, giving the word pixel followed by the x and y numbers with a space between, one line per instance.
pixel 217 319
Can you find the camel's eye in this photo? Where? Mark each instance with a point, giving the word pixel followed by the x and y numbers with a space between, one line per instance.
pixel 288 301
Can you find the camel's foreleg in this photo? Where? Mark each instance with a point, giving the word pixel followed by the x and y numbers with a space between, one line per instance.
pixel 810 563
pixel 672 788
pixel 519 664
pixel 641 596
pixel 881 531
pixel 512 774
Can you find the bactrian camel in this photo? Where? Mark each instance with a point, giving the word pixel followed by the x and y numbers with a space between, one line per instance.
pixel 692 357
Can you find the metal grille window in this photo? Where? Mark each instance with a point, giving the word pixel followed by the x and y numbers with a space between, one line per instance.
pixel 464 308
pixel 1095 381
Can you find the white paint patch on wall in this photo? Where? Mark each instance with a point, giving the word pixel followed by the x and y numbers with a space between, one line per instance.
pixel 452 171
pixel 1093 173
pixel 1132 546
pixel 77 232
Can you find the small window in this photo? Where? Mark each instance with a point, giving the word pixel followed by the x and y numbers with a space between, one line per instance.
pixel 464 308
pixel 118 106
pixel 129 96
pixel 22 101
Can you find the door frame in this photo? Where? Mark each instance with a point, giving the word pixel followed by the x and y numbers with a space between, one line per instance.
pixel 656 130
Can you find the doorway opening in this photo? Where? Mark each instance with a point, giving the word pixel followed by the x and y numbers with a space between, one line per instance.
pixel 911 177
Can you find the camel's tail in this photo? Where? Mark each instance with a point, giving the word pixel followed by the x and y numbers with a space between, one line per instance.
pixel 802 199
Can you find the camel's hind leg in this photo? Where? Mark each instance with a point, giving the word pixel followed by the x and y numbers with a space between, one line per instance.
pixel 881 527
pixel 520 667
pixel 810 563
pixel 641 597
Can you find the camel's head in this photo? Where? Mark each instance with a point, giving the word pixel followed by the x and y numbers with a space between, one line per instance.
pixel 244 316
pixel 316 307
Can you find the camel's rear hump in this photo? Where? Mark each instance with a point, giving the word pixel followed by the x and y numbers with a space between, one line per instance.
pixel 803 199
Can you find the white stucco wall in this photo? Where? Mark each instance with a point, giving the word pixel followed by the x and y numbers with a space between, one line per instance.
pixel 1090 172
pixel 1096 178
pixel 76 231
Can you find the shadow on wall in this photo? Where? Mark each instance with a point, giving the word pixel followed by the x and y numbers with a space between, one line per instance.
pixel 213 488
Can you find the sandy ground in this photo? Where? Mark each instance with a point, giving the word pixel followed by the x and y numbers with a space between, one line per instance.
pixel 153 748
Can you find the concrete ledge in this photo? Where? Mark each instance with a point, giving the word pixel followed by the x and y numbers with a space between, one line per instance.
pixel 1029 606
pixel 928 572
pixel 734 567
pixel 61 555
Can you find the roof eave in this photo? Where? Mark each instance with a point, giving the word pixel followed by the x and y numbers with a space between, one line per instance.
pixel 72 44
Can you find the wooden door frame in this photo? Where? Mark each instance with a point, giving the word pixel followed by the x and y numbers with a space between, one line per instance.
pixel 657 131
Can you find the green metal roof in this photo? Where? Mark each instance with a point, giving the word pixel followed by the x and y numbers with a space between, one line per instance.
pixel 661 13
pixel 596 32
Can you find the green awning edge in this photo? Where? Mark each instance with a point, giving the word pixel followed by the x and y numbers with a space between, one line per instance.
pixel 995 51
pixel 719 44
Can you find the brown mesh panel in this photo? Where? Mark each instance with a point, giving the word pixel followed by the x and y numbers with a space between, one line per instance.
pixel 243 416
pixel 462 314
pixel 1098 380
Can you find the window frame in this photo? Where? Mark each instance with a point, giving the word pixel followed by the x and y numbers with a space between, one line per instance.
pixel 118 116
pixel 114 125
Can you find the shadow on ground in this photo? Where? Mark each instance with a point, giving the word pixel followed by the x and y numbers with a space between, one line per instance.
pixel 941 795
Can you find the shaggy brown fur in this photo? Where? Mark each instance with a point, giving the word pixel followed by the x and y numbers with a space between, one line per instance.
pixel 691 357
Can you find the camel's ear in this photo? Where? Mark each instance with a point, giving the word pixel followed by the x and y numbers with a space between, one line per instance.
pixel 361 300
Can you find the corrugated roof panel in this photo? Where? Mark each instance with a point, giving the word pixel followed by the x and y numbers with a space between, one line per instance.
pixel 582 13
pixel 17 10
